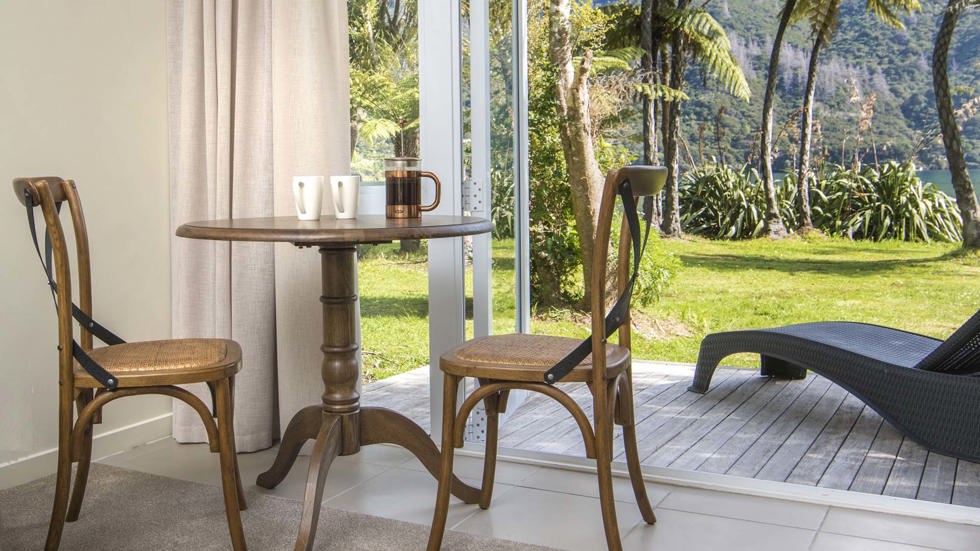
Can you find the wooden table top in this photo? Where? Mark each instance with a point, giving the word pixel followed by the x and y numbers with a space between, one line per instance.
pixel 330 230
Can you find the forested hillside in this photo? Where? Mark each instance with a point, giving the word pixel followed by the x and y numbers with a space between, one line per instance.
pixel 866 57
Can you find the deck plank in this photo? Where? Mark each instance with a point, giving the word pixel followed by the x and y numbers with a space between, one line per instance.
pixel 829 439
pixel 938 477
pixel 966 491
pixel 842 470
pixel 537 416
pixel 654 430
pixel 745 437
pixel 874 472
pixel 754 459
pixel 802 431
pixel 682 436
pixel 698 419
pixel 906 475
pixel 800 441
pixel 737 420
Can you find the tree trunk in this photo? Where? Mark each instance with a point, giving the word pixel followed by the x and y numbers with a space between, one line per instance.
pixel 670 225
pixel 803 176
pixel 774 221
pixel 354 132
pixel 406 143
pixel 650 50
pixel 966 197
pixel 575 128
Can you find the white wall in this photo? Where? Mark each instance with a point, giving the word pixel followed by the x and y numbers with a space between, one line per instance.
pixel 83 95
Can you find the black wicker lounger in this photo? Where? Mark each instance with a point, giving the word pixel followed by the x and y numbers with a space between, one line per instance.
pixel 927 388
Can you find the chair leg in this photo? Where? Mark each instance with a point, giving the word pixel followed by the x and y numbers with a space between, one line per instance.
pixel 242 504
pixel 81 476
pixel 60 507
pixel 607 502
pixel 229 464
pixel 490 454
pixel 450 388
pixel 628 421
pixel 83 456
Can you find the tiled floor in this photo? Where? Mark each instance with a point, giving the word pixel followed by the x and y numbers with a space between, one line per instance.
pixel 560 508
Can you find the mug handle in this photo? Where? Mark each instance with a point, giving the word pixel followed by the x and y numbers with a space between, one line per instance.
pixel 338 200
pixel 438 184
pixel 298 197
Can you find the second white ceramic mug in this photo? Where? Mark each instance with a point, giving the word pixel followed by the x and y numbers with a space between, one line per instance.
pixel 308 195
pixel 345 190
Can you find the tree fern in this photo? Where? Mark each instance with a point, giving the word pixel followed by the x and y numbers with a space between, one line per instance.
pixel 710 46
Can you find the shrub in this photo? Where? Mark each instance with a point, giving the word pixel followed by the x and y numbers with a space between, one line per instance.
pixel 887 203
pixel 555 255
pixel 890 203
pixel 658 267
pixel 720 202
pixel 502 203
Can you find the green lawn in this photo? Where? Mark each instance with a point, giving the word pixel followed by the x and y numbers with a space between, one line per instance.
pixel 721 285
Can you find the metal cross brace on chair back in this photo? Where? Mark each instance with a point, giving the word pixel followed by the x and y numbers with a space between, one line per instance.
pixel 92 326
pixel 618 313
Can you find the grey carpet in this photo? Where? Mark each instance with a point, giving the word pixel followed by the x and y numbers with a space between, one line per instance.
pixel 129 510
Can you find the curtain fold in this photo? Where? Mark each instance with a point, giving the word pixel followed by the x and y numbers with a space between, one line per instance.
pixel 233 64
pixel 311 136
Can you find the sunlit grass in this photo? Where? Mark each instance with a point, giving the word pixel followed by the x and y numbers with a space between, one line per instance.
pixel 721 285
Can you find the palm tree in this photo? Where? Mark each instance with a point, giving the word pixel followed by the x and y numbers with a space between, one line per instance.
pixel 699 36
pixel 966 197
pixel 669 36
pixel 696 35
pixel 824 17
pixel 670 223
pixel 774 221
pixel 650 45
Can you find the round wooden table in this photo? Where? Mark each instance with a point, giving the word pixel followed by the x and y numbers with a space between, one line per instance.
pixel 339 424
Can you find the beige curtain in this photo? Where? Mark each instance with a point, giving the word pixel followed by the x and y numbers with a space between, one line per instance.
pixel 259 92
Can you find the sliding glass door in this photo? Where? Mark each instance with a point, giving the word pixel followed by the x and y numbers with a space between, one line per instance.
pixel 472 88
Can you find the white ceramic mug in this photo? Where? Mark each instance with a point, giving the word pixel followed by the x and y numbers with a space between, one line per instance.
pixel 308 195
pixel 345 190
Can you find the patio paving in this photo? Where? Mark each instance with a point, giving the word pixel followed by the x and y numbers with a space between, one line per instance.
pixel 808 432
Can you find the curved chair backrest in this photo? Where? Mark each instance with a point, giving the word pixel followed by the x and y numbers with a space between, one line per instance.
pixel 643 181
pixel 49 193
pixel 960 353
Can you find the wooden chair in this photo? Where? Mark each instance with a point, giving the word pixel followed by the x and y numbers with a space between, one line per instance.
pixel 531 362
pixel 122 369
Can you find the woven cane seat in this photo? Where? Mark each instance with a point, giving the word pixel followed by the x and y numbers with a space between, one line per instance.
pixel 177 360
pixel 523 357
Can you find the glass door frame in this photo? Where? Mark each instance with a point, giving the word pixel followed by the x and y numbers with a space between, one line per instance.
pixel 441 147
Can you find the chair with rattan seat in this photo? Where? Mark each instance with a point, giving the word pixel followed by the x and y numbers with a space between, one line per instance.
pixel 90 377
pixel 502 363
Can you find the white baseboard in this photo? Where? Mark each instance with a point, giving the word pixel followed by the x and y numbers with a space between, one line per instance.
pixel 110 442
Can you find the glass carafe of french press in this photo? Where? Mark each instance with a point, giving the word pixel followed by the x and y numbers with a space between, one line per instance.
pixel 403 188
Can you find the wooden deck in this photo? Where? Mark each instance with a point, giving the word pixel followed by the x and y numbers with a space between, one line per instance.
pixel 809 432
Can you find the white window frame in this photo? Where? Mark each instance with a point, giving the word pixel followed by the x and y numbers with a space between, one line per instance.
pixel 441 145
